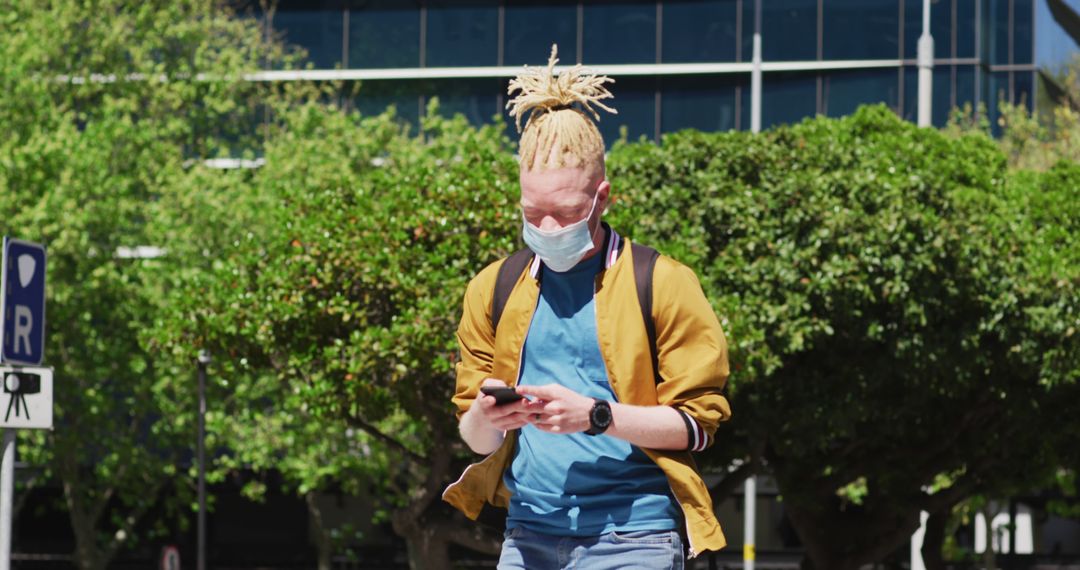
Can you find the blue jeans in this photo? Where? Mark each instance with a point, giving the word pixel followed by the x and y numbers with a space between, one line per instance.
pixel 645 550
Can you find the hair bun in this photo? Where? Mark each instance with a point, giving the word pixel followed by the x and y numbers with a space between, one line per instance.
pixel 540 90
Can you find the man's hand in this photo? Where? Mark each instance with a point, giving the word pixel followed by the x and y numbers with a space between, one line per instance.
pixel 483 426
pixel 558 409
pixel 505 417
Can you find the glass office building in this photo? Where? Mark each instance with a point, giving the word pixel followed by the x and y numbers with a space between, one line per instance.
pixel 677 63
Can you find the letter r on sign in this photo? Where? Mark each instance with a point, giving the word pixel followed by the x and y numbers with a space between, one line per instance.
pixel 24 322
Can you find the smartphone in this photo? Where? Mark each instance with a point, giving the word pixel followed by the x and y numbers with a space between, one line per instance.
pixel 503 394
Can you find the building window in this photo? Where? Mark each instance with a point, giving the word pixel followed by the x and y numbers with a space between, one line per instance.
pixel 860 29
pixel 942 99
pixel 965 86
pixel 703 102
pixel 462 33
pixel 843 91
pixel 384 33
pixel 703 31
pixel 1023 92
pixel 941 27
pixel 787 98
pixel 1023 24
pixel 635 100
pixel 315 26
pixel 374 97
pixel 788 29
pixel 965 29
pixel 998 32
pixel 619 32
pixel 475 98
pixel 533 25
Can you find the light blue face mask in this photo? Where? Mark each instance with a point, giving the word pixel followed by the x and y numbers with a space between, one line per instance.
pixel 563 248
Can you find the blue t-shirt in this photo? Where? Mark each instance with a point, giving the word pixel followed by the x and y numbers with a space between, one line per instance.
pixel 579 485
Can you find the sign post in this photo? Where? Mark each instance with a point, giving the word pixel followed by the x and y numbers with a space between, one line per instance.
pixel 27 386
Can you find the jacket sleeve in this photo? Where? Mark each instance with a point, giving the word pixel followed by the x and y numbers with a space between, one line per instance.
pixel 692 352
pixel 476 339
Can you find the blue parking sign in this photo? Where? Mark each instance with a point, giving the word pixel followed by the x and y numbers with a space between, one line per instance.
pixel 22 302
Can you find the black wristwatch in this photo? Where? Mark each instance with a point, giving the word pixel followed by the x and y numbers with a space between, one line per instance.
pixel 599 417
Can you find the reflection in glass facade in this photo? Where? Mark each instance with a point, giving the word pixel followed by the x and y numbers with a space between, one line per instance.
pixel 637 109
pixel 843 91
pixel 373 97
pixel 619 32
pixel 788 98
pixel 531 25
pixel 318 27
pixel 474 98
pixel 793 24
pixel 868 28
pixel 704 102
pixel 376 24
pixel 699 31
pixel 461 34
pixel 845 53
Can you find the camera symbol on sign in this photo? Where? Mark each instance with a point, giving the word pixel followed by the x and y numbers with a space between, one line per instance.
pixel 19 385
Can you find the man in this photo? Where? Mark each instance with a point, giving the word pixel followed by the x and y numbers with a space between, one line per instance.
pixel 594 463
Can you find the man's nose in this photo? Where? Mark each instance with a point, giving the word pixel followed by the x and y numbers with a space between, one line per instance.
pixel 549 224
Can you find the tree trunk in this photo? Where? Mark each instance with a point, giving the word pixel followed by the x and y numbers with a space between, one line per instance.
pixel 837 540
pixel 934 539
pixel 427 551
pixel 324 545
pixel 90 552
pixel 87 554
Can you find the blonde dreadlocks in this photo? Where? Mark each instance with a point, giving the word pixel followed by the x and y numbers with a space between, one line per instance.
pixel 556 132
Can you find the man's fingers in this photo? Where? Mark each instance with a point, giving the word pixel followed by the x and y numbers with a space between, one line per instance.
pixel 515 420
pixel 507 425
pixel 547 392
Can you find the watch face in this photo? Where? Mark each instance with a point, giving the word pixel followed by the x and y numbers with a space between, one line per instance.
pixel 601 414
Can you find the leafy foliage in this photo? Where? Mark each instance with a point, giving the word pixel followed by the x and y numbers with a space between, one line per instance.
pixel 100 114
pixel 878 283
pixel 334 317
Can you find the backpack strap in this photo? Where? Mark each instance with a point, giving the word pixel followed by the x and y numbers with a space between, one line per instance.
pixel 508 275
pixel 644 263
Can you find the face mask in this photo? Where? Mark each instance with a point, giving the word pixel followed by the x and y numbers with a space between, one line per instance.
pixel 560 249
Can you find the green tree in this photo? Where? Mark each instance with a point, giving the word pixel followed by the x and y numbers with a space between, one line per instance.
pixel 102 104
pixel 874 278
pixel 345 298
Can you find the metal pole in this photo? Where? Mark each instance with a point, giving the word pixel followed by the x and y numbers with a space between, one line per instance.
pixel 755 73
pixel 750 486
pixel 7 493
pixel 750 514
pixel 204 359
pixel 926 68
pixel 917 542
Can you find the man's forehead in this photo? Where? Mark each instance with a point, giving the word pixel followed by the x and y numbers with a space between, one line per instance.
pixel 563 182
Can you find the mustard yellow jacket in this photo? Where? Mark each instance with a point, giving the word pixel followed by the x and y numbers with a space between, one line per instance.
pixel 693 365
